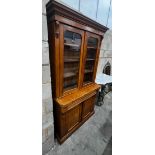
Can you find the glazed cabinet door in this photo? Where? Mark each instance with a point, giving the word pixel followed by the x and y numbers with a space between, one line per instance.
pixel 71 49
pixel 91 54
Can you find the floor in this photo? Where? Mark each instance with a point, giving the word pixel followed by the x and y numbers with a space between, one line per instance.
pixel 108 149
pixel 94 137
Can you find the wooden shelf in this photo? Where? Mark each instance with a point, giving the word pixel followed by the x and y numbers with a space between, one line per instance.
pixel 89 59
pixel 74 45
pixel 69 74
pixel 91 47
pixel 71 60
pixel 87 71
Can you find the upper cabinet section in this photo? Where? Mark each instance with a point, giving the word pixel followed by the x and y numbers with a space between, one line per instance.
pixel 74 43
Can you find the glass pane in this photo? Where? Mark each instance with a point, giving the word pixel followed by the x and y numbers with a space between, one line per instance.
pixel 72 47
pixel 90 59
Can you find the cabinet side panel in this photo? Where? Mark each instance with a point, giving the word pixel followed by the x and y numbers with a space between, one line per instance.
pixel 54 57
pixel 60 122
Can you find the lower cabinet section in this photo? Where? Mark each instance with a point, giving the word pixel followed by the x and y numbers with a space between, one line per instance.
pixel 68 122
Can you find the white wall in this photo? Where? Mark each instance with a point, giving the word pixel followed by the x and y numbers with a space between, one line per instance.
pixel 105 52
pixel 97 10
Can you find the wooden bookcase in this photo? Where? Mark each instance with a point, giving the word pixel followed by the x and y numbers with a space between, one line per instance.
pixel 74 46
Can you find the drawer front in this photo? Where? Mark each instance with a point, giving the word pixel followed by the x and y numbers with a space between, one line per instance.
pixel 88 106
pixel 73 117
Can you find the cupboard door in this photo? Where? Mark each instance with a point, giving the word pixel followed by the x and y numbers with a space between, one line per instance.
pixel 88 106
pixel 73 117
pixel 70 51
pixel 91 49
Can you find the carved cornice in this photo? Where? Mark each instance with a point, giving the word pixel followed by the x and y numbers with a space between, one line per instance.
pixel 55 8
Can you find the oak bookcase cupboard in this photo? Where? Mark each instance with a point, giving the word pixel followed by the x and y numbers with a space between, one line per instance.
pixel 74 46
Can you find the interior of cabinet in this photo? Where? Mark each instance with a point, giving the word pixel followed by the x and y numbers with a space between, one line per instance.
pixel 72 53
pixel 72 47
pixel 91 51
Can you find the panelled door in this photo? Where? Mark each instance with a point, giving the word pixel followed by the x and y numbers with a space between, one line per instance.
pixel 71 49
pixel 90 59
pixel 73 117
pixel 88 106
